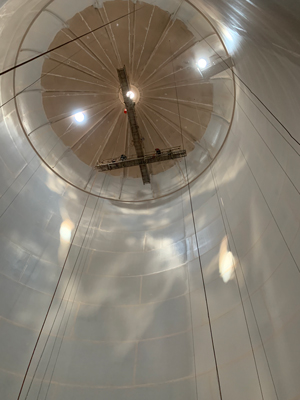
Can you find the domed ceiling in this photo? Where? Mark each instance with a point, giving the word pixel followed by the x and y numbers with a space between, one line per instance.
pixel 89 82
pixel 175 106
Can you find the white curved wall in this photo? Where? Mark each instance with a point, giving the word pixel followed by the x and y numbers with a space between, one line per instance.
pixel 133 323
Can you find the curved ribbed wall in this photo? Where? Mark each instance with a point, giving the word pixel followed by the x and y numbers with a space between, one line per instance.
pixel 129 317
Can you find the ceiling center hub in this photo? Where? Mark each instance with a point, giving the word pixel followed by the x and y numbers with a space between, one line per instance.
pixel 133 94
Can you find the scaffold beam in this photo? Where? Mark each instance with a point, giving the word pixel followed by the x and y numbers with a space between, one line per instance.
pixel 149 158
pixel 136 137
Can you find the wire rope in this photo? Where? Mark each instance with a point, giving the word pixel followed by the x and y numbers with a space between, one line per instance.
pixel 246 321
pixel 70 312
pixel 240 293
pixel 88 196
pixel 66 43
pixel 199 257
pixel 67 303
pixel 269 148
pixel 59 62
pixel 289 133
pixel 256 96
pixel 51 302
pixel 264 197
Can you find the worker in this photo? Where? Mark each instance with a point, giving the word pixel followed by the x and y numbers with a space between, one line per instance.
pixel 158 152
pixel 123 157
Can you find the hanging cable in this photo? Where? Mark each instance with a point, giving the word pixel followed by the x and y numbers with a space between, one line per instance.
pixel 64 62
pixel 269 148
pixel 240 294
pixel 67 302
pixel 198 251
pixel 255 95
pixel 69 315
pixel 42 76
pixel 66 43
pixel 275 159
pixel 52 299
pixel 285 139
pixel 59 63
pixel 217 190
pixel 61 301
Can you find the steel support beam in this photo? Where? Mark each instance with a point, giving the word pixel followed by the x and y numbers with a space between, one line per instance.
pixel 215 69
pixel 146 159
pixel 136 136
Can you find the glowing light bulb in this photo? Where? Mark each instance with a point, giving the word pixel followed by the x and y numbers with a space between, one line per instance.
pixel 130 95
pixel 202 63
pixel 79 117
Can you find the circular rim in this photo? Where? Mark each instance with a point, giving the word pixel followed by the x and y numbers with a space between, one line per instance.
pixel 90 192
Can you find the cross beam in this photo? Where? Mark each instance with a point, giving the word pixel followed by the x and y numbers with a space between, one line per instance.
pixel 168 154
pixel 215 69
pixel 130 106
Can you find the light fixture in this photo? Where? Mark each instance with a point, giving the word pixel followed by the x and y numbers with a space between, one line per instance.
pixel 130 94
pixel 79 117
pixel 202 63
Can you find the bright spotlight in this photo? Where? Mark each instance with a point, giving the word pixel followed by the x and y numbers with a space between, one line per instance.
pixel 79 117
pixel 130 95
pixel 202 63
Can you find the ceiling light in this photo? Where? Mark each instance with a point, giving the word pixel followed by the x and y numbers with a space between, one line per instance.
pixel 202 63
pixel 130 95
pixel 79 117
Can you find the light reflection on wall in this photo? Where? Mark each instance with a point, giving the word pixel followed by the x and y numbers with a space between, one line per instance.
pixel 226 262
pixel 231 39
pixel 65 234
pixel 66 231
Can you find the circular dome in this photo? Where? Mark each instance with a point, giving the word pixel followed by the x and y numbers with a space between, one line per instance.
pixel 74 115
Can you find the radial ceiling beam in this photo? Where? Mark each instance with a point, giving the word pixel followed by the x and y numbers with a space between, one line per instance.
pixel 136 136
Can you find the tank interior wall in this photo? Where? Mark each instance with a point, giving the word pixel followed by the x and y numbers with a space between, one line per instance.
pixel 136 325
